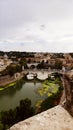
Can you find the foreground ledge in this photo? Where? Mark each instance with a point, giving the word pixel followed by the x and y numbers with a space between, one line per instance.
pixel 56 118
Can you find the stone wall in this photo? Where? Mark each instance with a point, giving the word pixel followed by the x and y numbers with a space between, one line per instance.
pixel 68 81
pixel 56 118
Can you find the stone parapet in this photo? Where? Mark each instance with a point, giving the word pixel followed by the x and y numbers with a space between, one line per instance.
pixel 56 118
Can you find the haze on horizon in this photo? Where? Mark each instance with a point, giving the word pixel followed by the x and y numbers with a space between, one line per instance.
pixel 36 25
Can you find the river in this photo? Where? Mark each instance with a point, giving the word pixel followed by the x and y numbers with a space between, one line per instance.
pixel 10 97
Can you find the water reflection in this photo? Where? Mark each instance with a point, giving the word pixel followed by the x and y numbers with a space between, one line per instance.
pixel 10 97
pixel 11 91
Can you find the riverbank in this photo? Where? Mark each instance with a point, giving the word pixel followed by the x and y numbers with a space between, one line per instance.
pixel 8 82
pixel 7 85
pixel 30 75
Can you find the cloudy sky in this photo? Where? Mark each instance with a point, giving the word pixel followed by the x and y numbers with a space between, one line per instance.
pixel 36 25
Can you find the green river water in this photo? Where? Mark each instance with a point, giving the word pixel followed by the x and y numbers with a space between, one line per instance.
pixel 10 97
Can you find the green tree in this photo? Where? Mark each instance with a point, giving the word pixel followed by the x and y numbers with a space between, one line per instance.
pixel 23 63
pixel 41 65
pixel 58 64
pixel 12 69
pixel 1 126
pixel 23 111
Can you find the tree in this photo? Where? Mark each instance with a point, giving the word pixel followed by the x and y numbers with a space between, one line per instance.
pixel 23 63
pixel 58 64
pixel 29 60
pixel 1 126
pixel 23 111
pixel 40 65
pixel 12 69
pixel 26 109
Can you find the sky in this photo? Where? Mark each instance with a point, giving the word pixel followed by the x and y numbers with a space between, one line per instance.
pixel 36 25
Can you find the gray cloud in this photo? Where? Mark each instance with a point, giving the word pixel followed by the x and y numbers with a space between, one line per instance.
pixel 47 25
